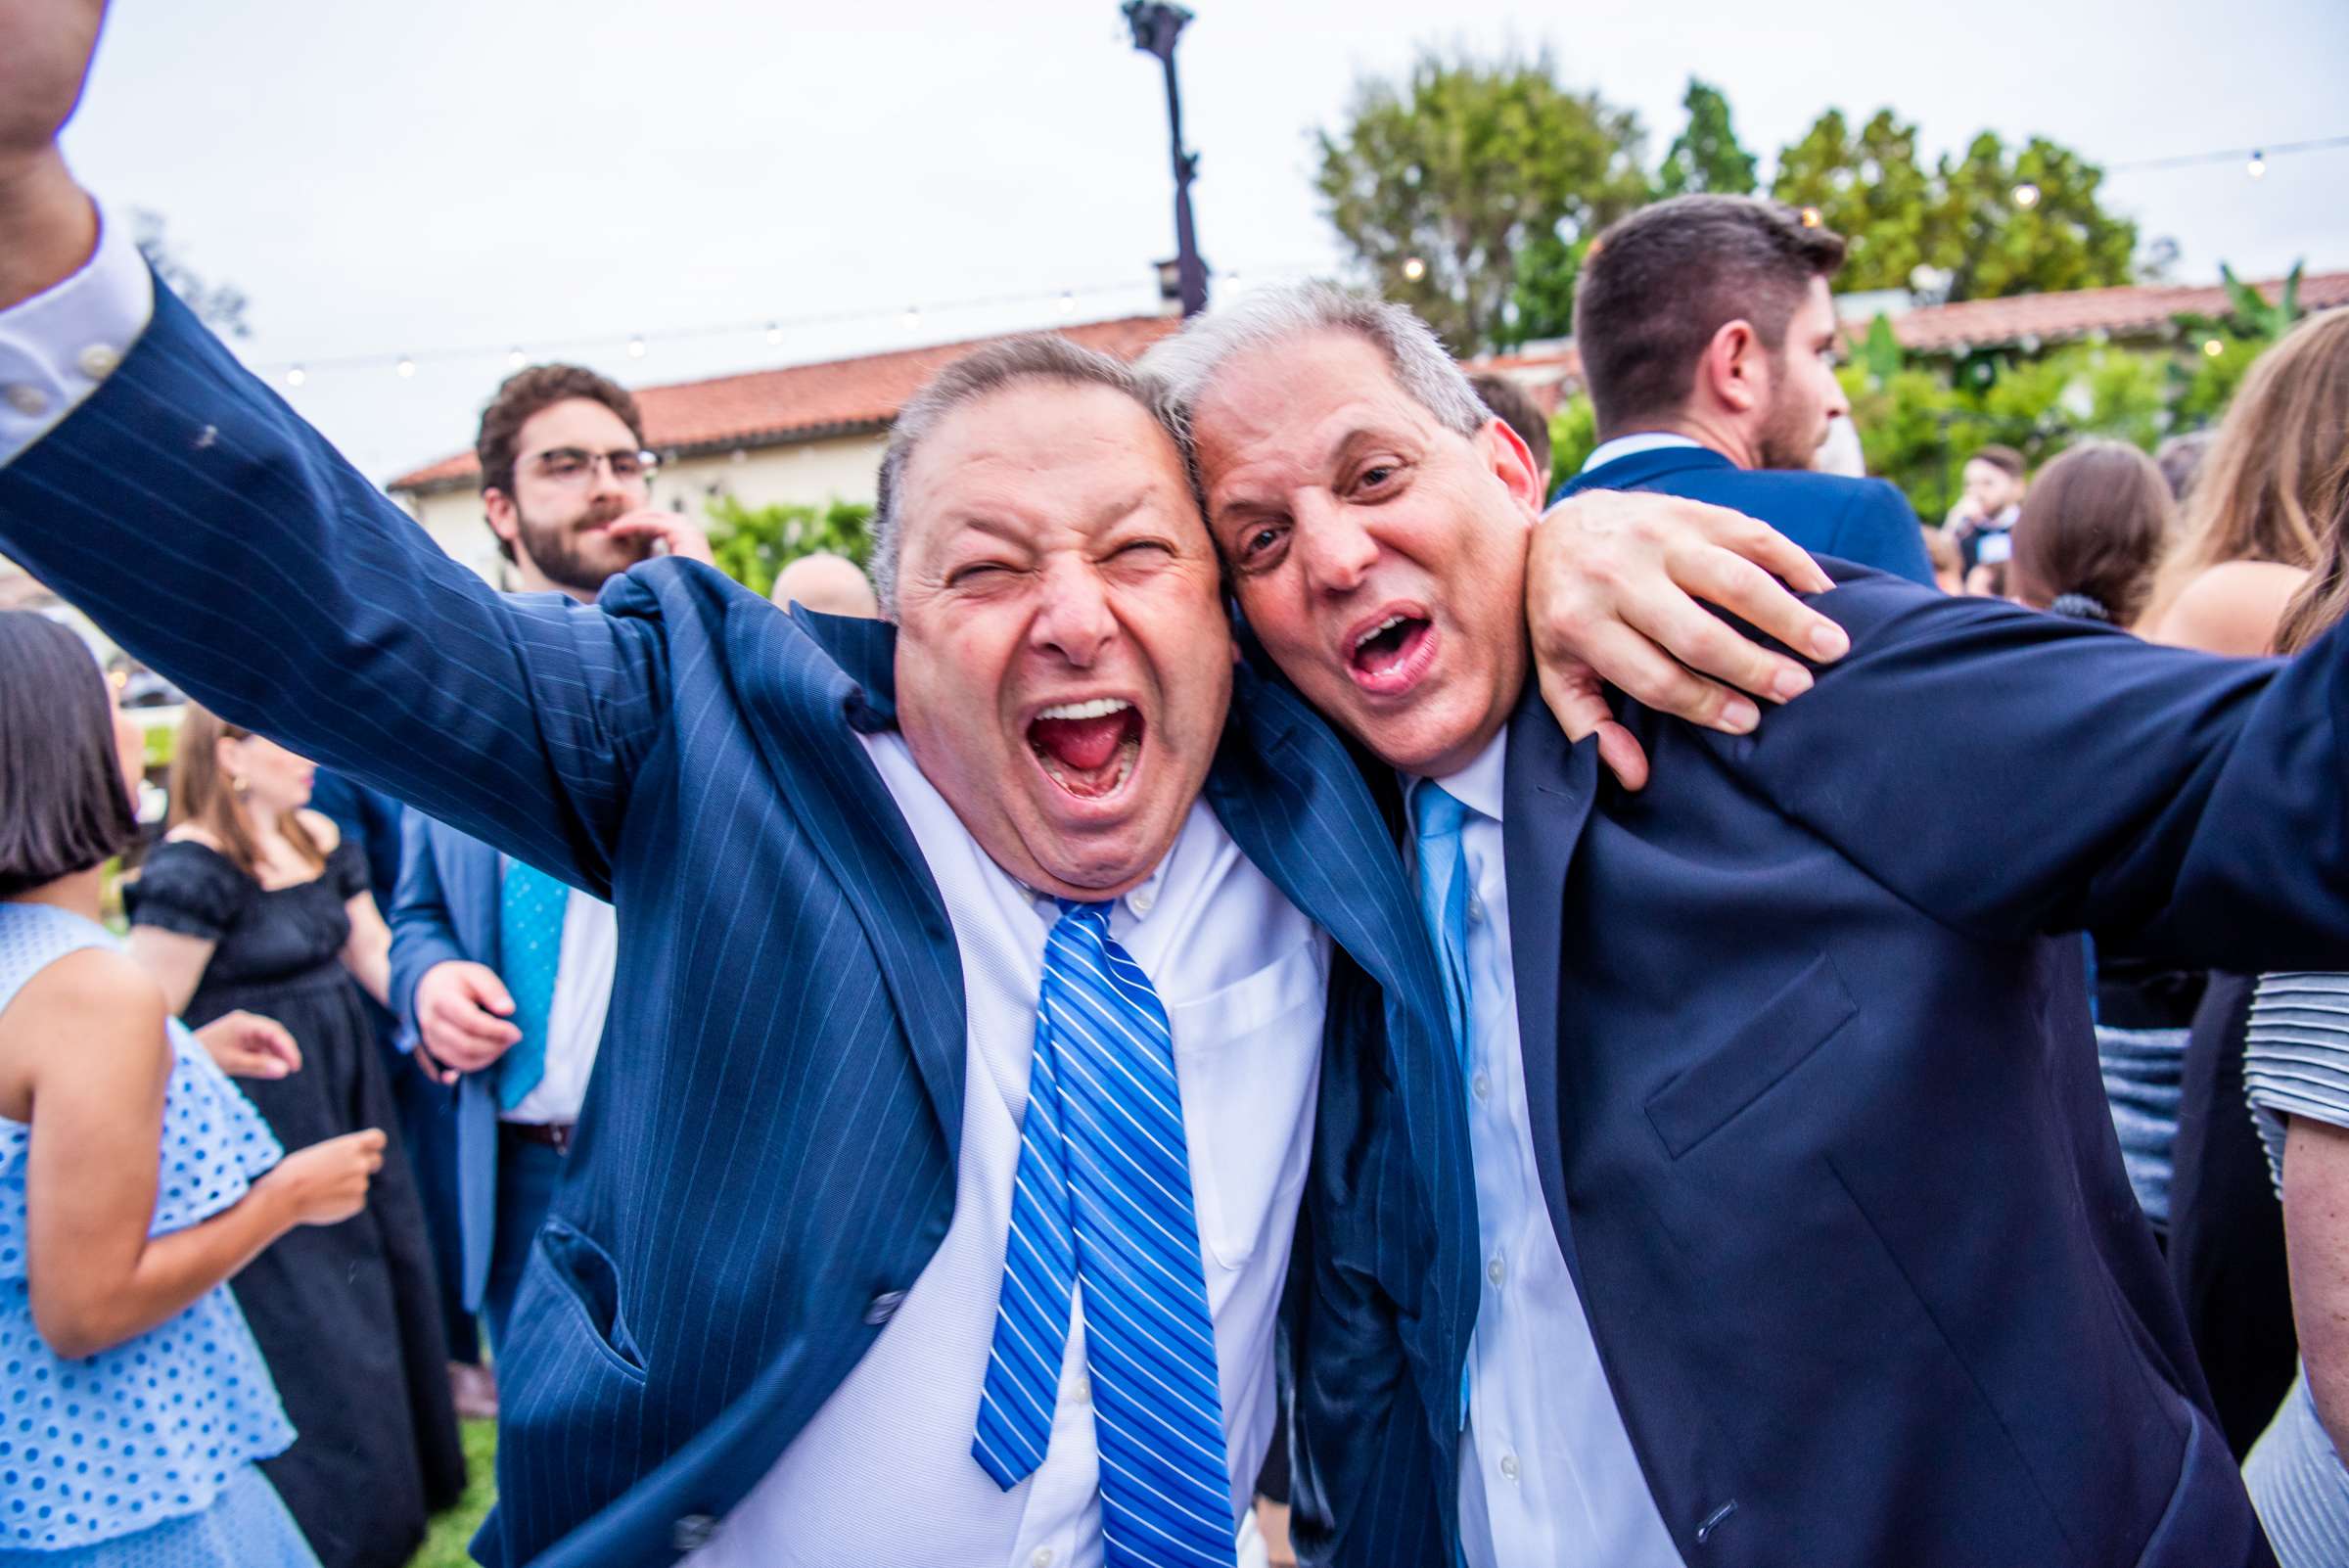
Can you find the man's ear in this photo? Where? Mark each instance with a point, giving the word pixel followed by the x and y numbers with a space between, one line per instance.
pixel 1512 463
pixel 497 510
pixel 1733 373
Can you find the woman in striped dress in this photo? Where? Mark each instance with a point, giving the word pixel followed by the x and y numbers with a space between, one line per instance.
pixel 2296 1074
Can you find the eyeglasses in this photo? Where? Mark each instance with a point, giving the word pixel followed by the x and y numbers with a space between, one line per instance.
pixel 575 466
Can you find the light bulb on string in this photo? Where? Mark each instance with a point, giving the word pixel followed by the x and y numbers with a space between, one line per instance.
pixel 774 331
pixel 296 376
pixel 1067 302
pixel 912 317
pixel 1413 268
pixel 2026 196
pixel 2258 167
pixel 406 368
pixel 516 358
pixel 637 348
pixel 2213 347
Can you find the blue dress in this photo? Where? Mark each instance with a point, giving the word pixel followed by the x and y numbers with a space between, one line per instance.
pixel 142 1455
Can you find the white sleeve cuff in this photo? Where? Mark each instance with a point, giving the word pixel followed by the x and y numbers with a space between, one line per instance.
pixel 58 345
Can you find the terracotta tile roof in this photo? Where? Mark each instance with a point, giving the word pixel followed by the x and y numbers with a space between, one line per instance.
pixel 2122 312
pixel 764 407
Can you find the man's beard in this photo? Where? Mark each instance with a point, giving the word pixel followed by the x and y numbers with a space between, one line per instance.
pixel 567 555
pixel 1793 433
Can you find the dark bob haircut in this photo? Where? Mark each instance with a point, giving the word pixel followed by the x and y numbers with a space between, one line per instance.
pixel 63 805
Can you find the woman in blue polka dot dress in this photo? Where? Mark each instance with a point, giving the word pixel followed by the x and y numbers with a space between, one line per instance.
pixel 134 1180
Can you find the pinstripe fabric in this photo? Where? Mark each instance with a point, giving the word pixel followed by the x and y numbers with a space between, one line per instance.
pixel 1102 1201
pixel 767 1148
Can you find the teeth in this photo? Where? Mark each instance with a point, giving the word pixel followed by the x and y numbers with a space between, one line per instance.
pixel 1386 625
pixel 1098 708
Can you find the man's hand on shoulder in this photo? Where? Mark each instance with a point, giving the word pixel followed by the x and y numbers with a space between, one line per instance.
pixel 461 1013
pixel 679 536
pixel 48 227
pixel 1613 583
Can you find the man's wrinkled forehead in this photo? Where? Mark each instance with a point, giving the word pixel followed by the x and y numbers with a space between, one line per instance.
pixel 1303 398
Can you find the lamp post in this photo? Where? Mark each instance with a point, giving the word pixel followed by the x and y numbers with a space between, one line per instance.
pixel 1156 26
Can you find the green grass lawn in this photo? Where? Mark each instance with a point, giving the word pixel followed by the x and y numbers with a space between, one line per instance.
pixel 444 1545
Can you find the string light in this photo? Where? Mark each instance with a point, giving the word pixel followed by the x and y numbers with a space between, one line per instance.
pixel 296 376
pixel 2258 165
pixel 912 317
pixel 1068 303
pixel 2213 347
pixel 1413 268
pixel 516 358
pixel 774 331
pixel 2026 196
pixel 1812 217
pixel 406 368
pixel 637 348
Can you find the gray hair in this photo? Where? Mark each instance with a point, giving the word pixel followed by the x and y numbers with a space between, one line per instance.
pixel 1037 356
pixel 1187 362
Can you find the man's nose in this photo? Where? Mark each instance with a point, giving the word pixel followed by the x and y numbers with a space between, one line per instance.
pixel 1336 549
pixel 1075 620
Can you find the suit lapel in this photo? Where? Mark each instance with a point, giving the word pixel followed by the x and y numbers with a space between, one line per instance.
pixel 808 684
pixel 470 880
pixel 1546 793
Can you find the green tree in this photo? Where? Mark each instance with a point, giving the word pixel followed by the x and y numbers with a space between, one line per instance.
pixel 1573 438
pixel 1441 184
pixel 1867 187
pixel 1994 223
pixel 2026 224
pixel 1706 155
pixel 753 543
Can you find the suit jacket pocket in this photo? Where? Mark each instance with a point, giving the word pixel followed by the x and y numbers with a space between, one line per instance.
pixel 586 1274
pixel 1777 1039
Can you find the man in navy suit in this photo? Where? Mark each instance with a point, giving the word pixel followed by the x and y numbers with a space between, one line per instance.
pixel 1804 1233
pixel 1706 334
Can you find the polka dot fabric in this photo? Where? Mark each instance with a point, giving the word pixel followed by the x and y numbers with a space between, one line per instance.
pixel 157 1427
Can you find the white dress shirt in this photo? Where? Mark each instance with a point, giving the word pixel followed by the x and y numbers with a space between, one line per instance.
pixel 1647 440
pixel 575 1019
pixel 58 345
pixel 883 1476
pixel 1547 1475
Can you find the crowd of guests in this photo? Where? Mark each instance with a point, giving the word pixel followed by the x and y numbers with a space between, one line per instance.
pixel 292 1140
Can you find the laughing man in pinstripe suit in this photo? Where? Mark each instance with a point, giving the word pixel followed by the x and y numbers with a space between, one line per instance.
pixel 811 1266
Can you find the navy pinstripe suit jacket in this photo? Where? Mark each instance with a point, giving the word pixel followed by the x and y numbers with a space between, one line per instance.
pixel 767 1154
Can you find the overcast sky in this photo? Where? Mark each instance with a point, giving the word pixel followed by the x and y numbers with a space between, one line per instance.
pixel 439 174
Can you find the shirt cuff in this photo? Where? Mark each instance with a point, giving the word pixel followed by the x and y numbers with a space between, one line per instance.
pixel 58 345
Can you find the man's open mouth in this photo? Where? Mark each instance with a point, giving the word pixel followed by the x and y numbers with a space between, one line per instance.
pixel 1087 748
pixel 1392 652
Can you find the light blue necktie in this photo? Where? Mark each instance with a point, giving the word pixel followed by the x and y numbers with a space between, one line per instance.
pixel 529 945
pixel 1443 859
pixel 1102 1196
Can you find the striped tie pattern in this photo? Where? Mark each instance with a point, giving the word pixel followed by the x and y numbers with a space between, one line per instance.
pixel 1102 1197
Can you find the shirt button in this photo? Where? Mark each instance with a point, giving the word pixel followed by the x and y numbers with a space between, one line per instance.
pixel 1475 909
pixel 1081 1391
pixel 882 1307
pixel 1481 1086
pixel 98 361
pixel 1495 1272
pixel 1140 900
pixel 1509 1466
pixel 1041 1557
pixel 692 1532
pixel 27 400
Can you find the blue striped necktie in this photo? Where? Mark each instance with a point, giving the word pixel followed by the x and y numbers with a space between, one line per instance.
pixel 1102 1196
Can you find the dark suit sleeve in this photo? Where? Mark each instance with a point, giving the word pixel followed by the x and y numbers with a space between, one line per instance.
pixel 194 518
pixel 2010 772
pixel 1878 528
pixel 421 934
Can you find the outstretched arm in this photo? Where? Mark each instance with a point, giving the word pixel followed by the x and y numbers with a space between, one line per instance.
pixel 2010 772
pixel 190 513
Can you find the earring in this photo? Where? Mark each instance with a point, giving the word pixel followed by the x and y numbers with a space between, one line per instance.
pixel 237 786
